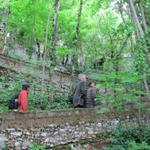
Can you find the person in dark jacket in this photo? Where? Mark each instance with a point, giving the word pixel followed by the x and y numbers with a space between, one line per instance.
pixel 13 103
pixel 79 95
pixel 91 94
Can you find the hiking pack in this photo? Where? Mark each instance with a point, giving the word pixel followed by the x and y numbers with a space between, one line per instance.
pixel 13 103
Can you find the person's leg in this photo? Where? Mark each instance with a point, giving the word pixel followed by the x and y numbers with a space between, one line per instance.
pixel 89 106
pixel 80 106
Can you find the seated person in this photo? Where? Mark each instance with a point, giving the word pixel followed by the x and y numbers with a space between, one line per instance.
pixel 91 94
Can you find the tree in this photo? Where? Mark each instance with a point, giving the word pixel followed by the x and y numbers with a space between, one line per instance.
pixel 4 35
pixel 54 33
pixel 76 38
pixel 140 34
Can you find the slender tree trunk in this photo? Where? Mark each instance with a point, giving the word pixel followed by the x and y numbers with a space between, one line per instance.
pixel 38 49
pixel 4 30
pixel 45 48
pixel 46 35
pixel 143 17
pixel 135 17
pixel 4 43
pixel 145 27
pixel 76 39
pixel 124 21
pixel 54 33
pixel 120 5
pixel 46 41
pixel 146 13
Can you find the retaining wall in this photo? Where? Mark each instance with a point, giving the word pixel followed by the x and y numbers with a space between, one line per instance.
pixel 61 126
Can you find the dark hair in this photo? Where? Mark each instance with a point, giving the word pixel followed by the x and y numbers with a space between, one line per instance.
pixel 25 86
pixel 90 83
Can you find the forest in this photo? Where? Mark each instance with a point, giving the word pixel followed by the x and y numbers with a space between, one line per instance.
pixel 108 40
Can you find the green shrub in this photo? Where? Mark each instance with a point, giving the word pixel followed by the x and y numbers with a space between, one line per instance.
pixel 132 138
pixel 37 147
pixel 138 146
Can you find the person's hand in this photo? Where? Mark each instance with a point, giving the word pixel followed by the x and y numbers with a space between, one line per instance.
pixel 16 100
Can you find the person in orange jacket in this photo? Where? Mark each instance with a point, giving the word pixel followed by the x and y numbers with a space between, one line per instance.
pixel 23 99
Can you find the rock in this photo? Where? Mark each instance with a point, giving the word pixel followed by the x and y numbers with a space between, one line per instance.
pixel 90 131
pixel 51 145
pixel 44 134
pixel 61 131
pixel 46 140
pixel 10 130
pixel 16 134
pixel 99 125
pixel 25 145
pixel 27 133
pixel 17 145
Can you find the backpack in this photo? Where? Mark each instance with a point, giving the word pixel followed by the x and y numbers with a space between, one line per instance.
pixel 70 99
pixel 13 103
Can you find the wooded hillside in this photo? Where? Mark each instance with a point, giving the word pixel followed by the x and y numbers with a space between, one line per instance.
pixel 106 39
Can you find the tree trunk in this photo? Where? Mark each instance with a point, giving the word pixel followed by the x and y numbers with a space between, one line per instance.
pixel 38 49
pixel 4 23
pixel 76 39
pixel 46 41
pixel 54 33
pixel 143 17
pixel 135 18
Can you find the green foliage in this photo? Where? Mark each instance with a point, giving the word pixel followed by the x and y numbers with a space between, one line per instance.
pixel 39 102
pixel 37 147
pixel 130 138
pixel 103 30
pixel 4 4
pixel 138 146
pixel 4 147
pixel 40 97
pixel 28 21
pixel 8 89
pixel 60 103
pixel 141 58
pixel 122 88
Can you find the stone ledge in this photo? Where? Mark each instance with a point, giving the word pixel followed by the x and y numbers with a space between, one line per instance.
pixel 57 117
pixel 42 118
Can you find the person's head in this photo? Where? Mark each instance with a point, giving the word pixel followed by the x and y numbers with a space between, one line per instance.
pixel 92 84
pixel 25 87
pixel 82 77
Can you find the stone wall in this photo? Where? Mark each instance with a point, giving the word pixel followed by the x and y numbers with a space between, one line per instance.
pixel 61 127
pixel 60 77
pixel 59 84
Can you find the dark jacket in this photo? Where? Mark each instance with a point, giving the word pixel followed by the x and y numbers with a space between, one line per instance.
pixel 80 93
pixel 91 94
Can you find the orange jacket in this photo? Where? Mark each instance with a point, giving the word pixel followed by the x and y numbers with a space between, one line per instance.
pixel 23 101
